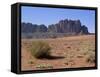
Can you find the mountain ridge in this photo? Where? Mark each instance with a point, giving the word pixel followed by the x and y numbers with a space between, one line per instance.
pixel 63 26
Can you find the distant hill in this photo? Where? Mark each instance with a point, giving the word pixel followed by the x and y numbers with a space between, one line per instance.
pixel 68 26
pixel 63 26
pixel 31 28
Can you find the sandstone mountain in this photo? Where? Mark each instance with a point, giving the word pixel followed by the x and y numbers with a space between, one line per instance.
pixel 68 26
pixel 63 26
pixel 31 28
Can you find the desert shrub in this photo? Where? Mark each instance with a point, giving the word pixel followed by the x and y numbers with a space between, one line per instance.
pixel 42 66
pixel 40 49
pixel 91 58
pixel 31 62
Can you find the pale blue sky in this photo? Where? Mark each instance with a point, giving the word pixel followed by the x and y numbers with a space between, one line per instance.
pixel 47 16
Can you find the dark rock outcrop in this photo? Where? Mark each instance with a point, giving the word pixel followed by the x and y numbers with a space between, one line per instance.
pixel 68 26
pixel 31 28
pixel 28 28
pixel 41 28
pixel 84 30
pixel 63 26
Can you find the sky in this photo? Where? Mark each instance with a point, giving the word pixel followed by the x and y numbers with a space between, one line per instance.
pixel 47 16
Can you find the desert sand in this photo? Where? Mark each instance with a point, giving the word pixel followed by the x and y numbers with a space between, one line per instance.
pixel 69 52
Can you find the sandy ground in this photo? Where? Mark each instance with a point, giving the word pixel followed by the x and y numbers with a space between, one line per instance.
pixel 72 52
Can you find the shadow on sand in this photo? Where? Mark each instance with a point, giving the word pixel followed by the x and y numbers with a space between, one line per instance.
pixel 50 57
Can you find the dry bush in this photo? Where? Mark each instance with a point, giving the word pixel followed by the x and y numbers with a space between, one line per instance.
pixel 40 49
pixel 31 62
pixel 91 57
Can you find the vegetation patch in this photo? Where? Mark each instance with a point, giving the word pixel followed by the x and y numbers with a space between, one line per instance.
pixel 91 58
pixel 44 66
pixel 40 49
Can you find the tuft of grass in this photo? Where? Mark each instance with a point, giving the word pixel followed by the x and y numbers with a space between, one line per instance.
pixel 91 58
pixel 69 47
pixel 40 49
pixel 31 62
pixel 43 66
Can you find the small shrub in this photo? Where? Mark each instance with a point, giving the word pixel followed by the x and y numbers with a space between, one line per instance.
pixel 91 58
pixel 40 49
pixel 43 66
pixel 31 62
pixel 66 63
pixel 69 47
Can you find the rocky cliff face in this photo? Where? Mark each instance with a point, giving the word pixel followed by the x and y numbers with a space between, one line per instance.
pixel 31 28
pixel 63 26
pixel 68 26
